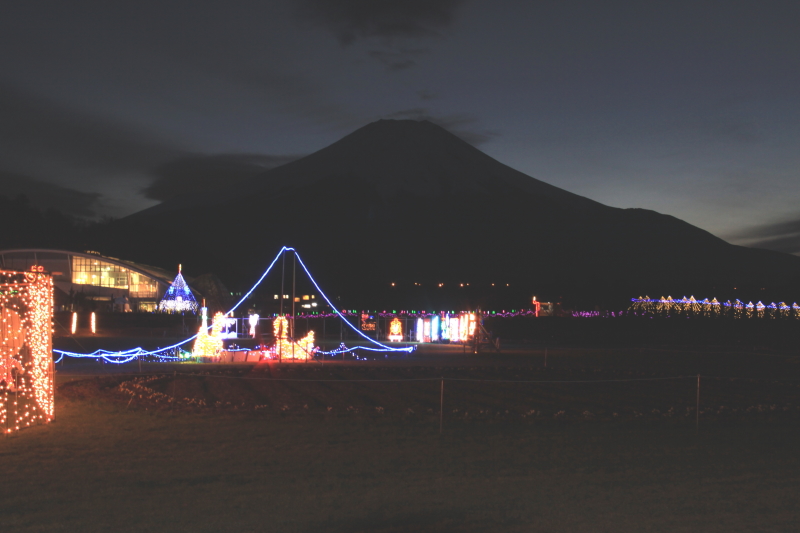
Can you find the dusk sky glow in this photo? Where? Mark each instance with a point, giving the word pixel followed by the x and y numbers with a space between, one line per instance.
pixel 688 108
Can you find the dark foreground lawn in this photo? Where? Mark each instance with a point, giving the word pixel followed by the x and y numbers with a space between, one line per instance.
pixel 102 467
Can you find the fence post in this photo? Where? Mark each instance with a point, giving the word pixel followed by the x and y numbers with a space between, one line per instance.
pixel 441 405
pixel 697 407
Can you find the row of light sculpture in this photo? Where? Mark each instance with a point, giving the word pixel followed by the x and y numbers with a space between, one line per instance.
pixel 453 328
pixel 711 308
pixel 209 341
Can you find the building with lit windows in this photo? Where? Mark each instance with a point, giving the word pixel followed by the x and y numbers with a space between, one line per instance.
pixel 107 282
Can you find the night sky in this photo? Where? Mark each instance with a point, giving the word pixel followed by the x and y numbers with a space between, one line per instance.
pixel 688 108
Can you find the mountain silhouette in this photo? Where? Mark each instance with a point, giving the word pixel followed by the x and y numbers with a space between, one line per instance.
pixel 407 203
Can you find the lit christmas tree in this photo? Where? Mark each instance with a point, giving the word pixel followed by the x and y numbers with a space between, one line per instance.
pixel 178 298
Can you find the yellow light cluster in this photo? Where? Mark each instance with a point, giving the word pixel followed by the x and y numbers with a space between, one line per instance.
pixel 712 308
pixel 395 330
pixel 26 363
pixel 285 348
pixel 209 344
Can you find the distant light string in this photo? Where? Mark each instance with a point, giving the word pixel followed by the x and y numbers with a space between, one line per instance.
pixel 413 314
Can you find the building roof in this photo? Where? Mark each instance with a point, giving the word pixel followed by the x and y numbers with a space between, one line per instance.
pixel 158 274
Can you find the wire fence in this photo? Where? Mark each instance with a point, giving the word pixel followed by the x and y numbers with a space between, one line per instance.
pixel 679 397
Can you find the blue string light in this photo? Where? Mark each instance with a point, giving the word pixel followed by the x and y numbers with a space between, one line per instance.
pixel 384 348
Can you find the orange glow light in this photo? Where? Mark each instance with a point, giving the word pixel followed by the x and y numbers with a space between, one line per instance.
pixel 26 362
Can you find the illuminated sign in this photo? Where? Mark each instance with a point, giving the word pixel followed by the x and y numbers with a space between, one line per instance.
pixel 395 330
pixel 367 322
pixel 434 328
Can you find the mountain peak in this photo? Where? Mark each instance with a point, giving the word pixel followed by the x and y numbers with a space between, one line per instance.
pixel 392 156
pixel 415 156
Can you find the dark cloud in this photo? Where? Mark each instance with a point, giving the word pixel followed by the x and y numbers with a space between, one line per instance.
pixel 351 20
pixel 49 196
pixel 298 94
pixel 781 236
pixel 461 125
pixel 396 60
pixel 383 23
pixel 202 174
pixel 37 130
pixel 427 95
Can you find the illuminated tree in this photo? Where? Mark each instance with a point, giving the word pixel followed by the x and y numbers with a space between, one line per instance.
pixel 178 298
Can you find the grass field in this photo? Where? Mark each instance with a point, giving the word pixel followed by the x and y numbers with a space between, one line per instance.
pixel 113 462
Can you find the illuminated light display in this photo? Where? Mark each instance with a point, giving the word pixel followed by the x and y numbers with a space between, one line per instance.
pixel 93 323
pixel 367 322
pixel 253 320
pixel 413 314
pixel 395 330
pixel 688 307
pixel 26 364
pixel 209 344
pixel 453 328
pixel 435 328
pixel 285 348
pixel 124 356
pixel 463 328
pixel 74 323
pixel 380 347
pixel 178 298
pixel 536 305
pixel 228 330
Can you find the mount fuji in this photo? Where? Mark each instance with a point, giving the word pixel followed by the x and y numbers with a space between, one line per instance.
pixel 408 203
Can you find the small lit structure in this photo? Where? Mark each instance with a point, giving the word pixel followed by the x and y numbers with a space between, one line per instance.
pixel 209 344
pixel 253 321
pixel 395 330
pixel 26 362
pixel 459 328
pixel 178 298
pixel 285 347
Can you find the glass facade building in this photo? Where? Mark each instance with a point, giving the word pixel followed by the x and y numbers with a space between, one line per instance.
pixel 99 278
pixel 91 271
